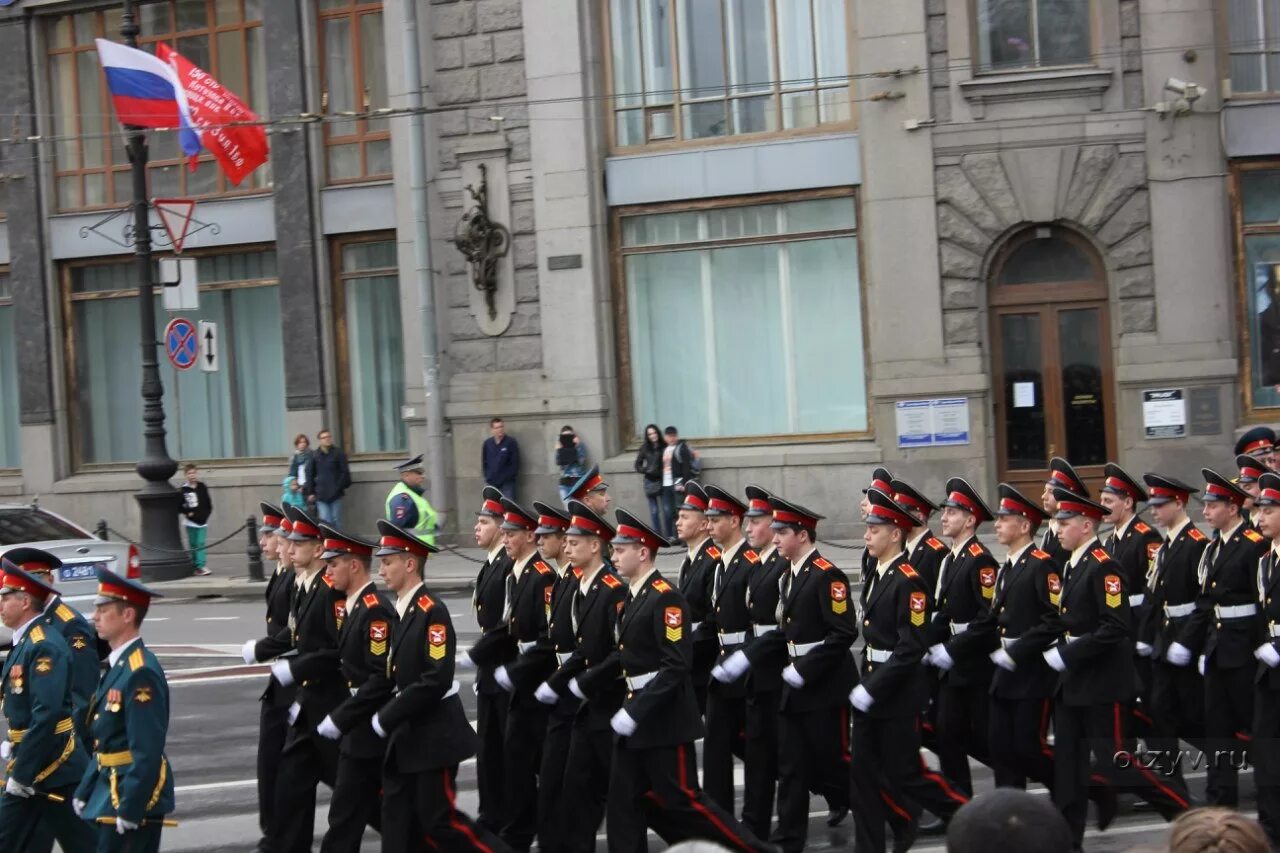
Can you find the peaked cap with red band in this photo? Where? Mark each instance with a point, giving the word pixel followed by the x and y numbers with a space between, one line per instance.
pixel 886 510
pixel 516 517
pixel 339 544
pixel 1013 502
pixel 1260 439
pixel 1071 504
pixel 720 502
pixel 1269 483
pixel 633 531
pixel 394 539
pixel 112 587
pixel 550 519
pixel 695 497
pixel 1219 488
pixel 588 482
pixel 1162 489
pixel 19 569
pixel 583 521
pixel 880 479
pixel 32 560
pixel 284 527
pixel 1062 475
pixel 788 514
pixel 1251 468
pixel 1118 482
pixel 963 496
pixel 491 503
pixel 272 515
pixel 302 527
pixel 758 502
pixel 906 495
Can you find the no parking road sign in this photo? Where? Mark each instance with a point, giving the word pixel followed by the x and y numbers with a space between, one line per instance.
pixel 181 343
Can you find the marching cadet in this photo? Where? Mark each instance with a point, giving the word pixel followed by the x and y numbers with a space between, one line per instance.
pixel 1177 692
pixel 45 757
pixel 925 551
pixel 492 650
pixel 965 591
pixel 308 758
pixel 127 789
pixel 1251 469
pixel 1061 476
pixel 695 580
pixel 1260 442
pixel 1266 707
pixel 528 599
pixel 592 490
pixel 552 524
pixel 654 756
pixel 894 685
pixel 1223 629
pixel 363 637
pixel 881 479
pixel 592 674
pixel 1094 654
pixel 424 724
pixel 726 700
pixel 407 503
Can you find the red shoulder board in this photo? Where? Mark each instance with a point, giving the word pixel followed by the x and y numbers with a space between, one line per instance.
pixel 823 563
pixel 1194 533
pixel 371 600
pixel 713 552
pixel 752 556
pixel 934 543
pixel 1040 555
pixel 1101 554
pixel 1141 527
pixel 1252 535
pixel 425 603
pixel 610 581
pixel 328 581
pixel 975 549
pixel 661 585
pixel 577 573
pixel 909 572
pixel 543 568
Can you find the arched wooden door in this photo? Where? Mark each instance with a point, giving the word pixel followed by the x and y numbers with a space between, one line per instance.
pixel 1051 353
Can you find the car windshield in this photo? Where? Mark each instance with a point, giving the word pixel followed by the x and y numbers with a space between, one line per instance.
pixel 25 524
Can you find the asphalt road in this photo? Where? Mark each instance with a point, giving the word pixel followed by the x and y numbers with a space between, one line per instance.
pixel 213 738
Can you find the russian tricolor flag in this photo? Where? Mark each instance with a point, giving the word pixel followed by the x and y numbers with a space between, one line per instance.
pixel 146 92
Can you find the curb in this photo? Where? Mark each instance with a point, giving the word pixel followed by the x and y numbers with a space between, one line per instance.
pixel 242 589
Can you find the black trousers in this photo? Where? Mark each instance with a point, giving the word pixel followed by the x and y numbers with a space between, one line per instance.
pixel 32 823
pixel 1228 714
pixel 962 731
pixel 553 811
pixel 419 813
pixel 307 760
pixel 491 725
pixel 813 756
pixel 1266 759
pixel 706 648
pixel 356 803
pixel 586 784
pixel 726 732
pixel 1176 704
pixel 526 727
pixel 664 781
pixel 886 754
pixel 1018 731
pixel 1101 731
pixel 273 729
pixel 760 760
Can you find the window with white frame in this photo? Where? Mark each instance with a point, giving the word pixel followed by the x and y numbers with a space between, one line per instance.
pixel 1253 45
pixel 1015 34
pixel 746 320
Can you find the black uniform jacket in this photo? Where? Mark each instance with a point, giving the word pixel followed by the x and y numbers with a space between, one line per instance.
pixel 1096 642
pixel 594 661
pixel 926 559
pixel 695 581
pixel 968 587
pixel 1174 587
pixel 563 638
pixel 281 603
pixel 1135 552
pixel 364 643
pixel 530 612
pixel 767 647
pixel 1269 625
pixel 653 638
pixel 820 625
pixel 427 726
pixel 1051 546
pixel 731 613
pixel 896 622
pixel 1024 620
pixel 495 646
pixel 1228 576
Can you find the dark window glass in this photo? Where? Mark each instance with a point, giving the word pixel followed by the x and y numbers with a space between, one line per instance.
pixel 1050 259
pixel 1084 417
pixel 1023 391
pixel 29 524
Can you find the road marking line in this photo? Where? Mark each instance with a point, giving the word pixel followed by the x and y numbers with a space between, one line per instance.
pixel 215 619
pixel 214 786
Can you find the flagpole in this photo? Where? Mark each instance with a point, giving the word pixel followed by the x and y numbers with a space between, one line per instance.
pixel 162 553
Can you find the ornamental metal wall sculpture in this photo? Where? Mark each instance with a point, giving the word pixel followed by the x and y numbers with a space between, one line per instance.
pixel 482 242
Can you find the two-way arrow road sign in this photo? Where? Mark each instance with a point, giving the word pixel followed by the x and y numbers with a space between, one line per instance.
pixel 209 355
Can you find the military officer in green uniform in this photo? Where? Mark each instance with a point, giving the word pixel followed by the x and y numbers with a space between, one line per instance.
pixel 127 788
pixel 44 758
pixel 407 504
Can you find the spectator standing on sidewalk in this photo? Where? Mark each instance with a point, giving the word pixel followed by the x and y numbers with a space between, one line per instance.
pixel 196 509
pixel 332 479
pixel 680 463
pixel 301 465
pixel 571 459
pixel 500 459
pixel 649 464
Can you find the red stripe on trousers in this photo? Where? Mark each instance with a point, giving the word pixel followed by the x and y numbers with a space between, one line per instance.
pixel 703 810
pixel 1142 771
pixel 1044 728
pixel 941 782
pixel 844 735
pixel 453 816
pixel 897 809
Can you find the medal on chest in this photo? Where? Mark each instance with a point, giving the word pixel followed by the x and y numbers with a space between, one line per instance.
pixel 115 701
pixel 16 680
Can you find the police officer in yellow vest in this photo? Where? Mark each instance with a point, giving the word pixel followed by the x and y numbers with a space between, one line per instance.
pixel 407 505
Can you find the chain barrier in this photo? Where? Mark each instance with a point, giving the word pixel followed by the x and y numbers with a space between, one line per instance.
pixel 466 557
pixel 154 549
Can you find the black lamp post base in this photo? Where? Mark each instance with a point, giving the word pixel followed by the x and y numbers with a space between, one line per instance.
pixel 160 531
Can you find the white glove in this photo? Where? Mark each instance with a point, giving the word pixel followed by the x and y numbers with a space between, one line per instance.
pixel 78 806
pixel 1267 654
pixel 623 724
pixel 938 657
pixel 328 729
pixel 1178 655
pixel 735 665
pixel 377 726
pixel 1053 657
pixel 504 680
pixel 719 674
pixel 280 672
pixel 1004 660
pixel 546 695
pixel 123 826
pixel 15 788
pixel 6 750
pixel 463 661
pixel 792 676
pixel 1200 664
pixel 249 651
pixel 294 710
pixel 861 699
pixel 1144 650
pixel 576 690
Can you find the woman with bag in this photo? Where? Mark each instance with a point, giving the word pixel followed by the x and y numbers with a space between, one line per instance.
pixel 649 464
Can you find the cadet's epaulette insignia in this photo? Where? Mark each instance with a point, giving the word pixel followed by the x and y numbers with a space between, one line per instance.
pixel 378 631
pixel 673 617
pixel 824 564
pixel 142 694
pixel 713 552
pixel 975 549
pixel 1111 583
pixel 917 603
pixel 65 613
pixel 752 556
pixel 934 543
pixel 37 634
pixel 1101 554
pixel 1055 588
pixel 436 637
pixel 987 580
pixel 44 665
pixel 906 569
pixel 328 581
pixel 135 660
pixel 610 581
pixel 1194 533
pixel 577 573
pixel 371 600
pixel 1252 535
pixel 1040 555
pixel 425 603
pixel 839 598
pixel 1141 527
pixel 661 585
pixel 79 642
pixel 542 568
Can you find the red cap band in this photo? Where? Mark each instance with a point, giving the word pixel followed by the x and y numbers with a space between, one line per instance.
pixel 1081 509
pixel 963 499
pixel 1223 492
pixel 1271 495
pixel 696 502
pixel 793 518
pixel 551 521
pixel 517 518
pixel 302 528
pixel 643 537
pixel 1173 494
pixel 721 505
pixel 588 485
pixel 1117 483
pixel 1260 444
pixel 904 498
pixel 882 486
pixel 493 507
pixel 122 593
pixel 271 521
pixel 285 526
pixel 405 545
pixel 1061 478
pixel 1018 508
pixel 583 523
pixel 345 547
pixel 20 583
pixel 759 505
pixel 897 519
pixel 1250 471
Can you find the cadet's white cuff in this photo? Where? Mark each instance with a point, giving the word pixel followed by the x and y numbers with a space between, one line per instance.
pixel 249 651
pixel 1053 657
pixel 377 726
pixel 280 672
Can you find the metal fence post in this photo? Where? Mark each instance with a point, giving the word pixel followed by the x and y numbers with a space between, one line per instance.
pixel 254 551
pixel 101 530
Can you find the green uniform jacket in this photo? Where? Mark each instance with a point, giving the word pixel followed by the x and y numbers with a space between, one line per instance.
pixel 85 664
pixel 37 701
pixel 129 717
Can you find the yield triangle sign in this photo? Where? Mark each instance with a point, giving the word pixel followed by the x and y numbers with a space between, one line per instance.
pixel 175 216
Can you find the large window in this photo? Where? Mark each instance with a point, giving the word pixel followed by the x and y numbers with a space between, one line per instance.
pixel 1257 215
pixel 745 321
pixel 237 411
pixel 355 81
pixel 367 310
pixel 10 448
pixel 224 37
pixel 1014 34
pixel 703 69
pixel 1253 45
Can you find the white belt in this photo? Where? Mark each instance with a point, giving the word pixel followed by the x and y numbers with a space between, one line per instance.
pixel 877 655
pixel 761 630
pixel 1006 642
pixel 799 650
pixel 1275 630
pixel 1137 600
pixel 525 648
pixel 636 682
pixel 732 638
pixel 453 690
pixel 693 626
pixel 1072 638
pixel 1174 611
pixel 561 657
pixel 959 627
pixel 1235 612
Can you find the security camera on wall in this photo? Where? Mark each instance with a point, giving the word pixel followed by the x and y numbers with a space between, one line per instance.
pixel 1185 95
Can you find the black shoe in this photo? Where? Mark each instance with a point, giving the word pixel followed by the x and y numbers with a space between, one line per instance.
pixel 1106 803
pixel 837 815
pixel 902 842
pixel 935 826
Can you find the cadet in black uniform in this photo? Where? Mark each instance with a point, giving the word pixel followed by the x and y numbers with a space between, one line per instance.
pixel 494 648
pixel 726 700
pixel 925 551
pixel 425 726
pixel 1177 692
pixel 1222 631
pixel 1260 441
pixel 1061 476
pixel 894 685
pixel 552 524
pixel 965 591
pixel 1266 706
pixel 1251 469
pixel 655 766
pixel 819 625
pixel 881 479
pixel 526 614
pixel 364 637
pixel 1094 654
pixel 695 579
